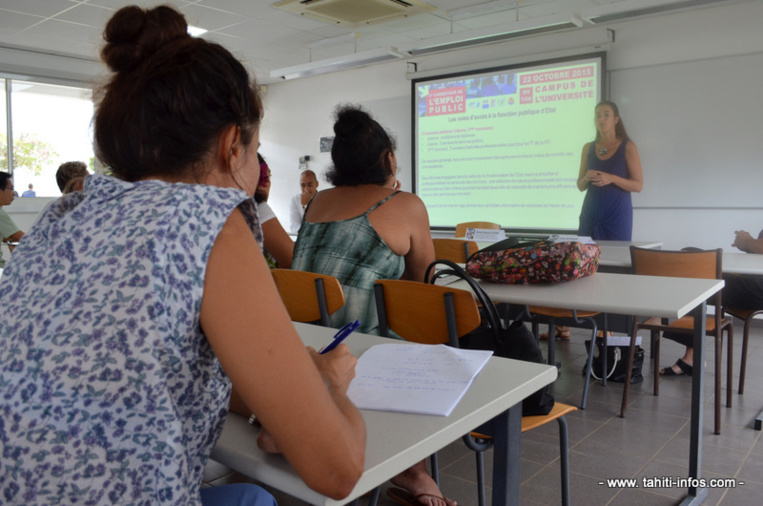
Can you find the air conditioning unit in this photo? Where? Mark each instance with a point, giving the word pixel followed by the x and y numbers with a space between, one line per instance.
pixel 354 13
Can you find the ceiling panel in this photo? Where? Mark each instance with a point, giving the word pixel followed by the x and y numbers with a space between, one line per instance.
pixel 264 37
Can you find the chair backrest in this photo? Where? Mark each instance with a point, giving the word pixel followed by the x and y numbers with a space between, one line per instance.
pixel 423 313
pixel 455 250
pixel 461 227
pixel 703 264
pixel 689 263
pixel 308 297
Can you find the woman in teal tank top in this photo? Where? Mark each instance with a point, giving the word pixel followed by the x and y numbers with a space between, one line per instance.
pixel 362 230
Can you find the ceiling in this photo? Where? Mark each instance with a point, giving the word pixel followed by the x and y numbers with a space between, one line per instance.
pixel 263 37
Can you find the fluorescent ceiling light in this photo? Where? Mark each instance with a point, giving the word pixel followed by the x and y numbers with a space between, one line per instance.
pixel 490 34
pixel 634 8
pixel 344 62
pixel 195 31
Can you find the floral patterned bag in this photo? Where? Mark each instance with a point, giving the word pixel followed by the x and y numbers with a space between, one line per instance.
pixel 538 262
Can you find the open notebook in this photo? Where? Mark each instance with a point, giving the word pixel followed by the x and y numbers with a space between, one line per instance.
pixel 414 378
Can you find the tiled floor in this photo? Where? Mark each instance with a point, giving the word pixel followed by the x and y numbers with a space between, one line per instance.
pixel 651 442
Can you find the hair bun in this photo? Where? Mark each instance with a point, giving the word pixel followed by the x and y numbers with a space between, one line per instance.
pixel 134 34
pixel 351 121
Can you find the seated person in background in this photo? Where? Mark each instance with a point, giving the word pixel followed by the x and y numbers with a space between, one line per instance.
pixel 137 302
pixel 363 230
pixel 308 183
pixel 70 176
pixel 279 248
pixel 744 292
pixel 9 231
pixel 30 192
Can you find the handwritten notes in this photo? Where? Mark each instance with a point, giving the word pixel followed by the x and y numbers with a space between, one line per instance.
pixel 414 378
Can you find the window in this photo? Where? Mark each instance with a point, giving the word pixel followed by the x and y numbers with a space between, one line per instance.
pixel 51 124
pixel 3 129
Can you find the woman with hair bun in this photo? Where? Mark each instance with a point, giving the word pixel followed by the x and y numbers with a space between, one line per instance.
pixel 362 230
pixel 131 306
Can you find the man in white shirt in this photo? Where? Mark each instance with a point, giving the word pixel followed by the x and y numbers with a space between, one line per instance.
pixel 308 183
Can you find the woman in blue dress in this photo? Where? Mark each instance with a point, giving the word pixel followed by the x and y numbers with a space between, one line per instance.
pixel 610 170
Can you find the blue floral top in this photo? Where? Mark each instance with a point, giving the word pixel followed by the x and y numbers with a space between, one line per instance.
pixel 109 391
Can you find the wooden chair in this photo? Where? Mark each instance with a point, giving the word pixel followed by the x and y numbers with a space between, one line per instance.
pixel 309 297
pixel 747 315
pixel 461 227
pixel 433 314
pixel 703 264
pixel 455 250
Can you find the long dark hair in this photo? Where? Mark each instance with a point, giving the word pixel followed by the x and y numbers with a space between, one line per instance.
pixel 360 149
pixel 619 127
pixel 170 97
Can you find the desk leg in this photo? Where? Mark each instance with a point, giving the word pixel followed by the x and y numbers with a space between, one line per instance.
pixel 508 435
pixel 697 494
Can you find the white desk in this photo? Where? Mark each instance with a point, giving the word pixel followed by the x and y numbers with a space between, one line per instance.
pixel 396 441
pixel 636 295
pixel 619 258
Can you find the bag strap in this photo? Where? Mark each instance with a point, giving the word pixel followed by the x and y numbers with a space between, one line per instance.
pixel 453 269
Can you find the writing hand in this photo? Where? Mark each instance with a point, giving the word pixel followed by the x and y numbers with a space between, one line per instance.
pixel 337 368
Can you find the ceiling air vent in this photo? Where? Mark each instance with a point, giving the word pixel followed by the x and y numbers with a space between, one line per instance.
pixel 354 13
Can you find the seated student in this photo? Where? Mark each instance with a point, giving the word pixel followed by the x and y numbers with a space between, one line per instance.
pixel 9 231
pixel 130 307
pixel 308 183
pixel 279 248
pixel 362 230
pixel 70 176
pixel 745 292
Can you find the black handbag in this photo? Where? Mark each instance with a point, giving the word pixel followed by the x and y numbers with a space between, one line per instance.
pixel 515 341
pixel 617 363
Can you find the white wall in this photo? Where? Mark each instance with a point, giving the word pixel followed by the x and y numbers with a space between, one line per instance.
pixel 298 112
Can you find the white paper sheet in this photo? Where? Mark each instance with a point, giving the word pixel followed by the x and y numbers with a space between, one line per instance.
pixel 414 378
pixel 583 239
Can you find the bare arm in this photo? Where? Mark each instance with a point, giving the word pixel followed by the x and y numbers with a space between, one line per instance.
pixel 583 181
pixel 305 409
pixel 278 243
pixel 745 242
pixel 15 237
pixel 421 253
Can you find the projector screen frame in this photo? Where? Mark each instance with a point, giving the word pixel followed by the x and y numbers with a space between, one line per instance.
pixel 510 68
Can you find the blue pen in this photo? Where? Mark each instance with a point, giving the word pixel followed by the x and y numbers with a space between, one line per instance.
pixel 341 335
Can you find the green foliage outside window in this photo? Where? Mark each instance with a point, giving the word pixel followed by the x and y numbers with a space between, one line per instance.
pixel 29 152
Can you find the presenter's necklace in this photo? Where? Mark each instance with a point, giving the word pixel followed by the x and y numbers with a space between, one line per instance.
pixel 603 150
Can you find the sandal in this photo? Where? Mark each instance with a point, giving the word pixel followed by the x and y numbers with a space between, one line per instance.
pixel 562 333
pixel 686 369
pixel 404 497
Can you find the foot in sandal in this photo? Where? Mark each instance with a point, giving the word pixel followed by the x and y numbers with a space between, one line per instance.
pixel 559 332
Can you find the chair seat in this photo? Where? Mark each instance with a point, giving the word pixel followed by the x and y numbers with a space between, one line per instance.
pixel 741 313
pixel 683 325
pixel 559 409
pixel 535 421
pixel 560 313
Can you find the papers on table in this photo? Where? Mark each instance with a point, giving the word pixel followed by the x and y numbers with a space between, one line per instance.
pixel 484 235
pixel 414 378
pixel 583 239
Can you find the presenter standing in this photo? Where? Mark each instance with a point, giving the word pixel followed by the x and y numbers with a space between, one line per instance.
pixel 610 170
